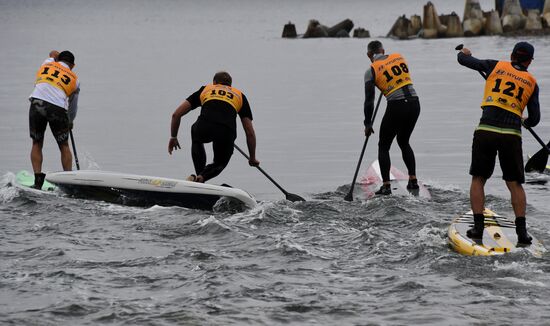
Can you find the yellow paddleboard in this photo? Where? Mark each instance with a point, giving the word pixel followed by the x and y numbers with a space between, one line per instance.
pixel 499 236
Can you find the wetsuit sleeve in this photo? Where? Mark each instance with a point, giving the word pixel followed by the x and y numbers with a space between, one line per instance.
pixel 73 104
pixel 195 98
pixel 533 109
pixel 485 66
pixel 368 106
pixel 245 111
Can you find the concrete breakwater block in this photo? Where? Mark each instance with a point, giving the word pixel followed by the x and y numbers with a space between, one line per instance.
pixel 493 25
pixel 508 19
pixel 546 14
pixel 432 26
pixel 316 29
pixel 342 29
pixel 405 28
pixel 534 21
pixel 360 32
pixel 401 29
pixel 513 18
pixel 473 18
pixel 416 24
pixel 454 27
pixel 289 31
pixel 546 19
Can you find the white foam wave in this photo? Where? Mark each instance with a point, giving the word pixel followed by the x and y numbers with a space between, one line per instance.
pixel 267 211
pixel 288 247
pixel 251 214
pixel 90 162
pixel 432 236
pixel 523 282
pixel 7 192
pixel 436 184
pixel 212 220
pixel 517 266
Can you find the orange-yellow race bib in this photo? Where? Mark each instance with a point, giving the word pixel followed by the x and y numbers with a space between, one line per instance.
pixel 391 73
pixel 508 88
pixel 224 93
pixel 58 76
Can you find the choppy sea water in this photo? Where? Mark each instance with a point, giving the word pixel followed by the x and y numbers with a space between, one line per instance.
pixel 382 261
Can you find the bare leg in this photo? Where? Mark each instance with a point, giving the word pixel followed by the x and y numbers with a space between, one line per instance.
pixel 477 194
pixel 36 155
pixel 519 200
pixel 66 156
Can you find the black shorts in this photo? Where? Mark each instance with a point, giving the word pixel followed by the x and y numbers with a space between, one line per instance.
pixel 41 113
pixel 485 147
pixel 203 131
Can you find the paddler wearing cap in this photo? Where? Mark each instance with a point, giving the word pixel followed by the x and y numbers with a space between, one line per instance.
pixel 54 101
pixel 508 90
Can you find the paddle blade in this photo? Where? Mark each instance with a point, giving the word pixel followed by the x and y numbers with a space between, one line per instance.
pixel 349 197
pixel 294 197
pixel 537 162
pixel 459 47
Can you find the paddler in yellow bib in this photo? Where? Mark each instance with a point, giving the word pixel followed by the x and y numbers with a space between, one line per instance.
pixel 508 90
pixel 390 73
pixel 221 104
pixel 54 101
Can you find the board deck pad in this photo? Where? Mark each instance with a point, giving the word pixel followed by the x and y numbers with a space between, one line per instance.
pixel 26 179
pixel 372 181
pixel 499 236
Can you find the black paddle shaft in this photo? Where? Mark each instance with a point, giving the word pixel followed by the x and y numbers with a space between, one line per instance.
pixel 349 196
pixel 74 150
pixel 289 196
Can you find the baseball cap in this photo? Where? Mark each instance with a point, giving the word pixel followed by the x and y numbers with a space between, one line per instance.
pixel 66 56
pixel 523 51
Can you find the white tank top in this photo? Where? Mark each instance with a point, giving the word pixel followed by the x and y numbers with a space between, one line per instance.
pixel 49 93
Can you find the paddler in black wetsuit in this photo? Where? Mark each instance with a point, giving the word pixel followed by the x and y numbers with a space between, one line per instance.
pixel 390 73
pixel 220 104
pixel 508 90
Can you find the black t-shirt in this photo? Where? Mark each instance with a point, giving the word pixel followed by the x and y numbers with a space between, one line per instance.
pixel 219 112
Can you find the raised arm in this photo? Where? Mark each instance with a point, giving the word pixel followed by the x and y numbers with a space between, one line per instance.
pixel 54 54
pixel 466 59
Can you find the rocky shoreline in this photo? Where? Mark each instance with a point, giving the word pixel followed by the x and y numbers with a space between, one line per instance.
pixel 508 18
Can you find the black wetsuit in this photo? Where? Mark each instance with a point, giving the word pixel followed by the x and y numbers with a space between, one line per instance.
pixel 399 120
pixel 217 124
pixel 499 130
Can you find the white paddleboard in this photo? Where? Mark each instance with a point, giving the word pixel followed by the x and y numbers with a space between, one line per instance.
pixel 372 181
pixel 143 190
